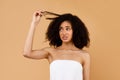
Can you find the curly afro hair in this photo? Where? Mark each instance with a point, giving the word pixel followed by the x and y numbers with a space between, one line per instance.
pixel 80 36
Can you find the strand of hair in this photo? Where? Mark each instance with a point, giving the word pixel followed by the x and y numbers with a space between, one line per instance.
pixel 52 13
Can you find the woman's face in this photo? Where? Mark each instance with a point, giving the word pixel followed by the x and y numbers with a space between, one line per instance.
pixel 66 32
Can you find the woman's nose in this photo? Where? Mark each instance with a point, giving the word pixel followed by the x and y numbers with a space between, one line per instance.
pixel 64 31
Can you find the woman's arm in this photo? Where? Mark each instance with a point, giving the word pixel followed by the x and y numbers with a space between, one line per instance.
pixel 28 52
pixel 86 67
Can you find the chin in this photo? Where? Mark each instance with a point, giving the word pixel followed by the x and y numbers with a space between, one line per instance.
pixel 66 41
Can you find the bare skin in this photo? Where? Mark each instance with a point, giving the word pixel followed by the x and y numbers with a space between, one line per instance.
pixel 67 51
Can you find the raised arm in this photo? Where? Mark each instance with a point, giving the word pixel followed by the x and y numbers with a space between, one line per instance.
pixel 28 52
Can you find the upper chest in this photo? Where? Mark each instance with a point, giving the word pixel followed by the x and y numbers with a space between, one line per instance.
pixel 66 54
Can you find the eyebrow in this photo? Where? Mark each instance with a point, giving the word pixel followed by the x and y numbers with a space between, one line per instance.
pixel 65 26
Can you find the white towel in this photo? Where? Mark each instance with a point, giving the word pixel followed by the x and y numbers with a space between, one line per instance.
pixel 66 70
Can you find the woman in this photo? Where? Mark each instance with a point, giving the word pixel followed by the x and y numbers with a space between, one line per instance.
pixel 67 36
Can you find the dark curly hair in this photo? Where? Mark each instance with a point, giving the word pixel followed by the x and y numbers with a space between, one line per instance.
pixel 80 36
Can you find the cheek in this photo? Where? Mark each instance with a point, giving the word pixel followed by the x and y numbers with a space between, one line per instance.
pixel 60 33
pixel 71 33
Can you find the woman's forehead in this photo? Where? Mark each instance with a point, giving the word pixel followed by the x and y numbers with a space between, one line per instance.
pixel 65 24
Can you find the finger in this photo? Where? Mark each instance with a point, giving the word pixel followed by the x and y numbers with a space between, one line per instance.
pixel 42 12
pixel 37 13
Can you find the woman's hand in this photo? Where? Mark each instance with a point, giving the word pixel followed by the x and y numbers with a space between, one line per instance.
pixel 37 16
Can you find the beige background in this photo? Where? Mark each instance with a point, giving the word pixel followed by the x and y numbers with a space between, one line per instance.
pixel 102 17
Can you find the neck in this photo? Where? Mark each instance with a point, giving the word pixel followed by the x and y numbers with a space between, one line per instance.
pixel 68 46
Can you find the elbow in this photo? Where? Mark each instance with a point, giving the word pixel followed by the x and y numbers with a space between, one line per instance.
pixel 26 54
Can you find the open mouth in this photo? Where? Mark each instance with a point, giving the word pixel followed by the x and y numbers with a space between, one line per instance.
pixel 64 38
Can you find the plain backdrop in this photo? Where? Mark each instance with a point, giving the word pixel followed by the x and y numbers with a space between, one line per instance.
pixel 102 18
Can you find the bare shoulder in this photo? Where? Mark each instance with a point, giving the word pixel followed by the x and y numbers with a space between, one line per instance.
pixel 85 55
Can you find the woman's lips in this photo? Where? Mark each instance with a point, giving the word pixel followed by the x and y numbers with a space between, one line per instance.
pixel 64 37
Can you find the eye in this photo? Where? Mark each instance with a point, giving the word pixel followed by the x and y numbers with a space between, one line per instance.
pixel 68 28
